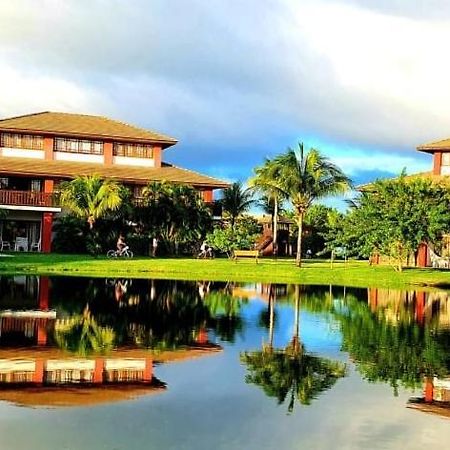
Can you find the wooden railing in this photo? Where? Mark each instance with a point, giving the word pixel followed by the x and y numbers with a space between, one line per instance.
pixel 26 198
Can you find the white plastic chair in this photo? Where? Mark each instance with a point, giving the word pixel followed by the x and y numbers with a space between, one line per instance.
pixel 36 246
pixel 4 245
pixel 21 244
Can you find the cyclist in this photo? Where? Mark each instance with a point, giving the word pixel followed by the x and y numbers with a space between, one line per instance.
pixel 121 244
pixel 205 251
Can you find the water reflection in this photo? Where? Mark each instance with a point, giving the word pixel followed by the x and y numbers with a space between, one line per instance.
pixel 290 373
pixel 66 336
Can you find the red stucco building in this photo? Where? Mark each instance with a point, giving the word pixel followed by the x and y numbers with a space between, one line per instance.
pixel 38 151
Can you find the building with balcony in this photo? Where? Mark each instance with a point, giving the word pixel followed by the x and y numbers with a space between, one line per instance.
pixel 38 151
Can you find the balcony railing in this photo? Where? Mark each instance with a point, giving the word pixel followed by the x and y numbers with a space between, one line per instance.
pixel 27 198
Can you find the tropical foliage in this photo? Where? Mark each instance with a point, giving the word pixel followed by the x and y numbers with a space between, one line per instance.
pixel 392 217
pixel 305 177
pixel 267 182
pixel 175 214
pixel 236 201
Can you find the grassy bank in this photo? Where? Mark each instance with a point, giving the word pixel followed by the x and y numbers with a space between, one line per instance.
pixel 353 273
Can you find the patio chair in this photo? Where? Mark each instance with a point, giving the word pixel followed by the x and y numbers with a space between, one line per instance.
pixel 21 244
pixel 36 246
pixel 4 245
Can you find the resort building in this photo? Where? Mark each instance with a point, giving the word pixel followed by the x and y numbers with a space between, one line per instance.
pixel 38 151
pixel 440 151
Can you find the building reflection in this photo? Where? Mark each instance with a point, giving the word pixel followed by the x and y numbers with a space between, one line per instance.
pixel 430 310
pixel 55 352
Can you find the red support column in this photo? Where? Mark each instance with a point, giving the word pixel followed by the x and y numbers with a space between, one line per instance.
pixel 157 156
pixel 46 242
pixel 429 389
pixel 373 299
pixel 38 376
pixel 208 196
pixel 48 148
pixel 108 153
pixel 148 371
pixel 420 307
pixel 42 332
pixel 44 283
pixel 422 255
pixel 437 163
pixel 98 370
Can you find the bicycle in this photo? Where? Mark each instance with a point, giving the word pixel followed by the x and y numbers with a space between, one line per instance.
pixel 124 253
pixel 206 254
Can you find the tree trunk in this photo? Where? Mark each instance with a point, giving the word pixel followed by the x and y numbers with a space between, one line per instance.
pixel 275 227
pixel 296 336
pixel 298 260
pixel 271 315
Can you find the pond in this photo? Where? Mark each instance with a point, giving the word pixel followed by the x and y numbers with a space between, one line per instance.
pixel 133 364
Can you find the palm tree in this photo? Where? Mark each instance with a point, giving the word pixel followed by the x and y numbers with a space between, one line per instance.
pixel 91 197
pixel 306 177
pixel 267 181
pixel 236 200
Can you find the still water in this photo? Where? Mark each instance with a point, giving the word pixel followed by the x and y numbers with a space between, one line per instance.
pixel 150 364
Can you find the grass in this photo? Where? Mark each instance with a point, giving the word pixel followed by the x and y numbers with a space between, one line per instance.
pixel 269 270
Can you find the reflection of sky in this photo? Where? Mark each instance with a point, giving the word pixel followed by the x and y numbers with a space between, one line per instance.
pixel 208 405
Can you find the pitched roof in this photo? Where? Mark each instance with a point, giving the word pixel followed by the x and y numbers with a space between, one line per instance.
pixel 140 175
pixel 443 180
pixel 433 146
pixel 81 125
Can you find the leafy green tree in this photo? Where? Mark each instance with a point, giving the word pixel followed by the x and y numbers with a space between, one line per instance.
pixel 225 239
pixel 393 217
pixel 306 177
pixel 267 181
pixel 84 336
pixel 174 213
pixel 91 197
pixel 236 201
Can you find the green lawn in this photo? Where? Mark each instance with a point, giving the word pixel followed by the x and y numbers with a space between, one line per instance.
pixel 353 273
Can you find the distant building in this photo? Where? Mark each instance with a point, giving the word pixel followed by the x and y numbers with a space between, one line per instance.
pixel 38 151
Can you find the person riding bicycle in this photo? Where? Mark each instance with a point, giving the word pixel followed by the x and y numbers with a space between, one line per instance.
pixel 205 250
pixel 121 244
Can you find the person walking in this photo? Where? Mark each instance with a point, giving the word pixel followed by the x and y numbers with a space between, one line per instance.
pixel 154 246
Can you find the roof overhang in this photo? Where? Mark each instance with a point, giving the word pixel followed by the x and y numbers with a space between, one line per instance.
pixel 51 209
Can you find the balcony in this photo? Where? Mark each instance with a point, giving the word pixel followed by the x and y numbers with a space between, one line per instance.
pixel 27 198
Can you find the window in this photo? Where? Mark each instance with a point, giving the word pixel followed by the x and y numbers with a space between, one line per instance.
pixel 4 182
pixel 446 159
pixel 25 141
pixel 79 146
pixel 133 150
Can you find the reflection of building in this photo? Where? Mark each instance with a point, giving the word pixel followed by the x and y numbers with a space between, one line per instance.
pixel 436 397
pixel 35 370
pixel 38 151
pixel 420 306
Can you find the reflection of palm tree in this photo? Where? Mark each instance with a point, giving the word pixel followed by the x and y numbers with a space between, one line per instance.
pixel 292 370
pixel 84 336
pixel 299 374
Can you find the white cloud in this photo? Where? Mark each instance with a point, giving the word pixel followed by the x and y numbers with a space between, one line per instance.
pixel 247 76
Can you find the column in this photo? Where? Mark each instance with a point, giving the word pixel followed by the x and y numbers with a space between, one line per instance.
pixel 207 196
pixel 148 371
pixel 108 153
pixel 46 238
pixel 98 370
pixel 48 148
pixel 437 163
pixel 38 376
pixel 157 155
pixel 422 255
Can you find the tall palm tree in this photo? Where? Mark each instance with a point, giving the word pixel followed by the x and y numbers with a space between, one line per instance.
pixel 267 181
pixel 91 197
pixel 236 200
pixel 306 177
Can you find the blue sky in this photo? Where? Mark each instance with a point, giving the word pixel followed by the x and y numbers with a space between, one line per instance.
pixel 365 81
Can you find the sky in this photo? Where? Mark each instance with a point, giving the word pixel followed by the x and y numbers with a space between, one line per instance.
pixel 364 81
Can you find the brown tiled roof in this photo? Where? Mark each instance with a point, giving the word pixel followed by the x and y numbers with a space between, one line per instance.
pixel 433 146
pixel 438 179
pixel 140 175
pixel 81 125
